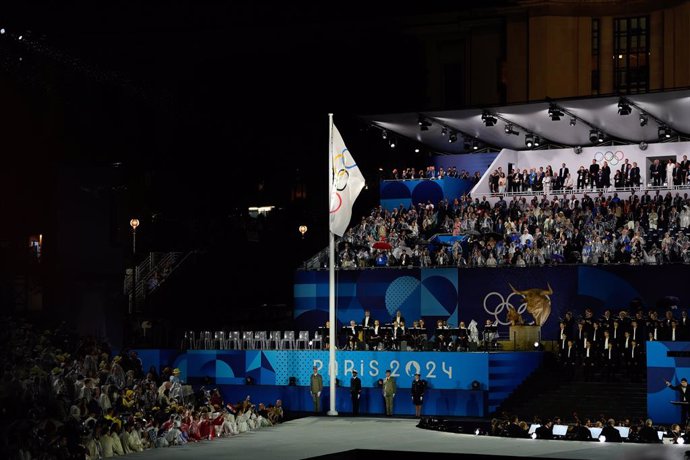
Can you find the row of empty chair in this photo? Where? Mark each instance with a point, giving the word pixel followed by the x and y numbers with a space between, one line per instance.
pixel 250 340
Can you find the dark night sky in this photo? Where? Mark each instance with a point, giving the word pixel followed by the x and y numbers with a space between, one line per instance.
pixel 200 102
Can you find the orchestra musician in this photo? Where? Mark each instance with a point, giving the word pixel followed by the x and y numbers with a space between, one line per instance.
pixel 375 335
pixel 352 335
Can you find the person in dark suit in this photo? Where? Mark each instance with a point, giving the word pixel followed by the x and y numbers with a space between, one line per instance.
pixel 513 429
pixel 581 178
pixel 634 176
pixel 605 175
pixel 545 431
pixel 655 172
pixel 609 362
pixel 683 396
pixel 355 392
pixel 588 361
pixel 374 335
pixel 418 389
pixel 648 434
pixel 593 172
pixel 562 174
pixel 367 321
pixel 610 432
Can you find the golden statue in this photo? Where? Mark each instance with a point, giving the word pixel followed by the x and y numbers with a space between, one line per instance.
pixel 538 303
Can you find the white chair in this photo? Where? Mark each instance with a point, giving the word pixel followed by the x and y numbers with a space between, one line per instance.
pixel 189 340
pixel 275 337
pixel 261 340
pixel 205 341
pixel 219 338
pixel 317 338
pixel 234 340
pixel 288 340
pixel 248 340
pixel 303 337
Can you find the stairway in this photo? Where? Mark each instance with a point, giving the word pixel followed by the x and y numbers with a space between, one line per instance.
pixel 151 273
pixel 546 394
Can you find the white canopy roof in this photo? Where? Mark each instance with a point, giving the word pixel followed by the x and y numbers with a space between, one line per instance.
pixel 580 117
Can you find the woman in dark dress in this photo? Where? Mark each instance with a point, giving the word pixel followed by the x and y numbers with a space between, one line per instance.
pixel 418 389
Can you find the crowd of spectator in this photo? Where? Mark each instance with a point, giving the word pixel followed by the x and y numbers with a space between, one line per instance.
pixel 651 229
pixel 66 396
pixel 597 176
pixel 432 173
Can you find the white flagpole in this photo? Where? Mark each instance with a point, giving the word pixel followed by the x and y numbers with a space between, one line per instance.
pixel 332 366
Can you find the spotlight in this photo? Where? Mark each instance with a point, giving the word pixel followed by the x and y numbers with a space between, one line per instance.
pixel 423 124
pixel 537 141
pixel 534 435
pixel 509 129
pixel 643 119
pixel 577 150
pixel 2 31
pixel 476 432
pixel 475 145
pixel 643 145
pixel 453 137
pixel 536 344
pixel 416 150
pixel 444 131
pixel 623 107
pixel 573 121
pixel 529 141
pixel 602 438
pixel 664 132
pixel 384 134
pixel 488 119
pixel 593 136
pixel 20 37
pixel 392 142
pixel 555 113
pixel 475 385
pixel 600 136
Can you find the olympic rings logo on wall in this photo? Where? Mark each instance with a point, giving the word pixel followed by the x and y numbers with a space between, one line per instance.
pixel 341 177
pixel 612 158
pixel 502 305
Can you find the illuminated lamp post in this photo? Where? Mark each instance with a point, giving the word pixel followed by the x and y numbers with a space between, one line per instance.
pixel 303 229
pixel 134 223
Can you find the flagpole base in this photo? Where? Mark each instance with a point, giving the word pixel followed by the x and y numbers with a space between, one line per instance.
pixel 332 413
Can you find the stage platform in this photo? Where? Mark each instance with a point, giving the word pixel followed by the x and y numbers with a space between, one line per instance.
pixel 325 436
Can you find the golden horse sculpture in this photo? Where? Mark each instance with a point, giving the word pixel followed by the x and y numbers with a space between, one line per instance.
pixel 538 303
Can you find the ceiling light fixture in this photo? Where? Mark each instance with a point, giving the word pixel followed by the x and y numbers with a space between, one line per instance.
pixel 488 118
pixel 623 107
pixel 509 129
pixel 555 113
pixel 529 141
pixel 644 119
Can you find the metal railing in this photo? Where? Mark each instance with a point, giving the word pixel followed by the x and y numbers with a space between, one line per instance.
pixel 152 272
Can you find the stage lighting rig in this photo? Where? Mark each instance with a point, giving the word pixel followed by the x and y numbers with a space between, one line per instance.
pixel 555 113
pixel 664 132
pixel 529 141
pixel 623 107
pixel 453 137
pixel 488 119
pixel 510 129
pixel 644 119
pixel 596 136
pixel 424 124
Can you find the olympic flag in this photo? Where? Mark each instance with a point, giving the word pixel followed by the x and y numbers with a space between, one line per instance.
pixel 346 183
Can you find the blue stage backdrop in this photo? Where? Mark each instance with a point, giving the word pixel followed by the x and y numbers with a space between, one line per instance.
pixel 661 367
pixel 449 376
pixel 464 294
pixel 406 192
